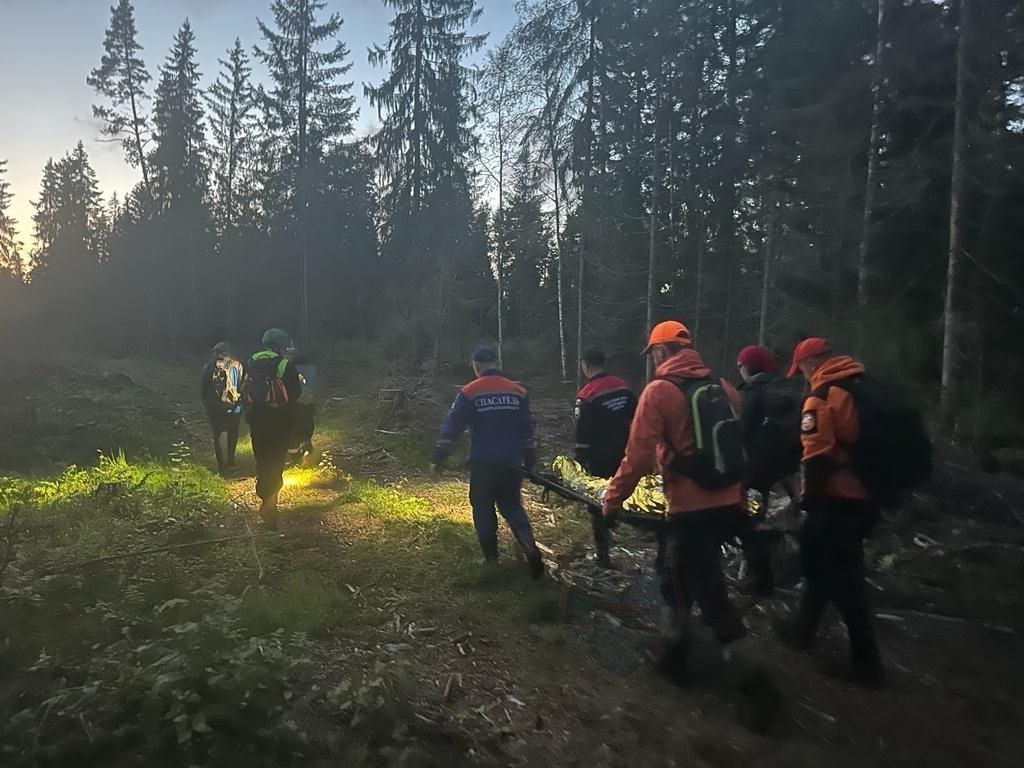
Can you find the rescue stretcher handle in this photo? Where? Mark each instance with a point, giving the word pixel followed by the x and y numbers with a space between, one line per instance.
pixel 649 522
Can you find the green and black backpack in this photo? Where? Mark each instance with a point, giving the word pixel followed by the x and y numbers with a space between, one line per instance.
pixel 719 459
pixel 263 387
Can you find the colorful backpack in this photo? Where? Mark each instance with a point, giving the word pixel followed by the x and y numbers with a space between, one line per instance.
pixel 227 379
pixel 263 387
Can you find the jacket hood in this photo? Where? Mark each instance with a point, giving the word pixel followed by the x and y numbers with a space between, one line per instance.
pixel 686 364
pixel 836 369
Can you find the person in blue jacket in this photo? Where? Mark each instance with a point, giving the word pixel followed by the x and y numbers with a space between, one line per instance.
pixel 497 413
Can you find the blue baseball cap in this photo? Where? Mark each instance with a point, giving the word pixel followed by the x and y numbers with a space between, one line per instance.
pixel 485 354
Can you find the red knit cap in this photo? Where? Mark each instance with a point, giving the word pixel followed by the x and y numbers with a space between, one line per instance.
pixel 757 359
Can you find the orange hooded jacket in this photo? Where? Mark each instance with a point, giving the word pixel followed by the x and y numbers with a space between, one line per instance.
pixel 828 427
pixel 662 429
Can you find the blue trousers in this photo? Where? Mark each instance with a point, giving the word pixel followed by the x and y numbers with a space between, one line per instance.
pixel 496 485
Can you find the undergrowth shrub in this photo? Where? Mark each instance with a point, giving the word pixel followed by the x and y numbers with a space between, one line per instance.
pixel 203 690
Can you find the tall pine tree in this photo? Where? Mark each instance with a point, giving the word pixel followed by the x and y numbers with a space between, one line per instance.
pixel 10 246
pixel 423 149
pixel 231 103
pixel 179 153
pixel 121 78
pixel 310 107
pixel 423 102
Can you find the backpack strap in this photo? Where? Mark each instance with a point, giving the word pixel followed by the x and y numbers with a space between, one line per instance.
pixel 688 388
pixel 281 366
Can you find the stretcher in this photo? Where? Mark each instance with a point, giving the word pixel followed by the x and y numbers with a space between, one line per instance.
pixel 646 509
pixel 569 481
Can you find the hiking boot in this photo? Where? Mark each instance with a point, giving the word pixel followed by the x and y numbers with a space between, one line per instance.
pixel 870 675
pixel 489 546
pixel 793 633
pixel 536 563
pixel 268 511
pixel 670 657
pixel 604 560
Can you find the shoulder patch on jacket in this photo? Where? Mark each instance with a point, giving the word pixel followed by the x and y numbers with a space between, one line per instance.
pixel 809 423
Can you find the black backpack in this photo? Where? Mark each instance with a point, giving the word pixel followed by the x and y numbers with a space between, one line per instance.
pixel 893 453
pixel 719 459
pixel 774 449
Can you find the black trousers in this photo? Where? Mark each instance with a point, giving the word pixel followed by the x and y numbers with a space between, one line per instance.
pixel 832 555
pixel 270 435
pixel 303 426
pixel 691 572
pixel 496 485
pixel 224 423
pixel 756 546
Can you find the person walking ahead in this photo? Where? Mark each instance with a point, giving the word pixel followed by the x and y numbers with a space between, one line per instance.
pixel 497 412
pixel 840 511
pixel 604 411
pixel 682 414
pixel 218 390
pixel 270 386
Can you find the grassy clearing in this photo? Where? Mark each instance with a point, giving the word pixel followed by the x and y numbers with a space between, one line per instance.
pixel 173 653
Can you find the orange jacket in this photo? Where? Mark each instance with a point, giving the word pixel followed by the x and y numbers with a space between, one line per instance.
pixel 661 429
pixel 828 427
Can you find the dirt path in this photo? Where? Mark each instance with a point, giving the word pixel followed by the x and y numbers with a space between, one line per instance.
pixel 429 660
pixel 554 674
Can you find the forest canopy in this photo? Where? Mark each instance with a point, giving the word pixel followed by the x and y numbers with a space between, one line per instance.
pixel 761 169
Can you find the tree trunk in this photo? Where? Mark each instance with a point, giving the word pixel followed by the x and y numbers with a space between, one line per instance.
pixel 727 227
pixel 762 329
pixel 652 241
pixel 869 182
pixel 301 180
pixel 135 125
pixel 950 329
pixel 501 235
pixel 700 280
pixel 588 198
pixel 558 255
pixel 579 318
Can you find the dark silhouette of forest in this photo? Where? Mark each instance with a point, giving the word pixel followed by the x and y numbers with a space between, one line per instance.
pixel 762 169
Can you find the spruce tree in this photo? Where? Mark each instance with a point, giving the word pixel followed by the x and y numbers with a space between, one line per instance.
pixel 178 158
pixel 423 102
pixel 121 78
pixel 69 214
pixel 231 102
pixel 309 108
pixel 10 246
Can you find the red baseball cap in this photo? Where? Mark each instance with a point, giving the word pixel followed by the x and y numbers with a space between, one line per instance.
pixel 815 346
pixel 757 359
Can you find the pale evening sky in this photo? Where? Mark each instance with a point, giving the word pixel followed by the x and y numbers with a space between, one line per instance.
pixel 48 47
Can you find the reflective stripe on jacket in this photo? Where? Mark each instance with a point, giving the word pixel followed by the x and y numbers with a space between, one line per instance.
pixel 497 413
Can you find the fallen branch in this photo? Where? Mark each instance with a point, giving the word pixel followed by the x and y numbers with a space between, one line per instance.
pixel 823 715
pixel 172 547
pixel 255 554
pixel 1009 506
pixel 997 628
pixel 448 686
